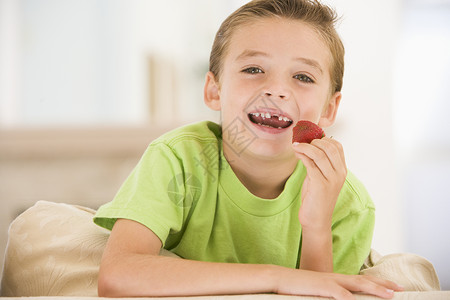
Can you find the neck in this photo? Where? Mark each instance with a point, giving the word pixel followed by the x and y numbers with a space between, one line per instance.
pixel 264 178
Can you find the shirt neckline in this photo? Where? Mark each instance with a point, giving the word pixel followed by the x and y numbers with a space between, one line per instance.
pixel 245 200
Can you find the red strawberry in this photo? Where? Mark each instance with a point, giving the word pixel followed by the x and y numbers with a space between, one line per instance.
pixel 306 131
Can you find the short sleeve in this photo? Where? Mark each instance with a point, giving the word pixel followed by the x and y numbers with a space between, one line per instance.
pixel 352 238
pixel 152 194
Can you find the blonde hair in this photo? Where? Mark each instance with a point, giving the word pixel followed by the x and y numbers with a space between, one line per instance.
pixel 320 17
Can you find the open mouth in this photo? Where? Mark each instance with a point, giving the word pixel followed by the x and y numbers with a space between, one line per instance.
pixel 270 120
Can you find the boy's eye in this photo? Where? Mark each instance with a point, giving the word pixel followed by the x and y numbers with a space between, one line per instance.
pixel 252 70
pixel 304 78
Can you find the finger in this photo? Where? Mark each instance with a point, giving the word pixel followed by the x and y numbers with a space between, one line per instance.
pixel 331 147
pixel 311 168
pixel 335 291
pixel 334 151
pixel 359 283
pixel 340 148
pixel 340 293
pixel 319 157
pixel 387 283
pixel 326 286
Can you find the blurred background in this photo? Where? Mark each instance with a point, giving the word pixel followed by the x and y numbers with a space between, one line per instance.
pixel 85 85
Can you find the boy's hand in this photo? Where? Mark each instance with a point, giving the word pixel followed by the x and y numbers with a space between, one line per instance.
pixel 326 172
pixel 337 286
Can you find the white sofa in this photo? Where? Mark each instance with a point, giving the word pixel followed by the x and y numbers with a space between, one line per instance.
pixel 54 251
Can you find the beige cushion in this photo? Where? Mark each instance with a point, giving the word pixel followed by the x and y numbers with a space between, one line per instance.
pixel 55 250
pixel 411 271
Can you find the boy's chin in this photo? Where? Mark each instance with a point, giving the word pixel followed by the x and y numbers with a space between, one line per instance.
pixel 270 151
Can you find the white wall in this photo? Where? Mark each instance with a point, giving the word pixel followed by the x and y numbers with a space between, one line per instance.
pixel 9 62
pixel 422 130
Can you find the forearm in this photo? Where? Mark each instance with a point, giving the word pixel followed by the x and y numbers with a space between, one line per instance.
pixel 317 250
pixel 134 275
pixel 148 275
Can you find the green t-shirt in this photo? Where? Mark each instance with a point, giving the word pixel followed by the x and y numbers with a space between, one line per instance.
pixel 184 190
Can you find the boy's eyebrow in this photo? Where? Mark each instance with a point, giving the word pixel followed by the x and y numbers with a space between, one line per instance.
pixel 311 62
pixel 252 53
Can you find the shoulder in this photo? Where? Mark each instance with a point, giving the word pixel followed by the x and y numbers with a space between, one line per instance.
pixel 355 187
pixel 205 131
pixel 192 147
pixel 354 197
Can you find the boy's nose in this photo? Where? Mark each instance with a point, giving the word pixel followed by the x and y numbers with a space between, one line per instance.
pixel 280 95
pixel 276 87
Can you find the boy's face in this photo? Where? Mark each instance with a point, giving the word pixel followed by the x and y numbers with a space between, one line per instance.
pixel 275 73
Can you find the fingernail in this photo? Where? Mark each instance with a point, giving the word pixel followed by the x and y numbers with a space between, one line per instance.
pixel 390 291
pixel 295 143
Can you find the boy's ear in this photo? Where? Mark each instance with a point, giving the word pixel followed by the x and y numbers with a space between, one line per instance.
pixel 329 111
pixel 211 92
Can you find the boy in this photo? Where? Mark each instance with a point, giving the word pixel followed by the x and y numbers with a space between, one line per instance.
pixel 246 210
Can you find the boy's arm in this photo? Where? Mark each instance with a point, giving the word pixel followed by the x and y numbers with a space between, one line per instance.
pixel 326 172
pixel 317 250
pixel 131 267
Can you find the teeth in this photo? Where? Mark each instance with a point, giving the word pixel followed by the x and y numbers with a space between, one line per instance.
pixel 268 116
